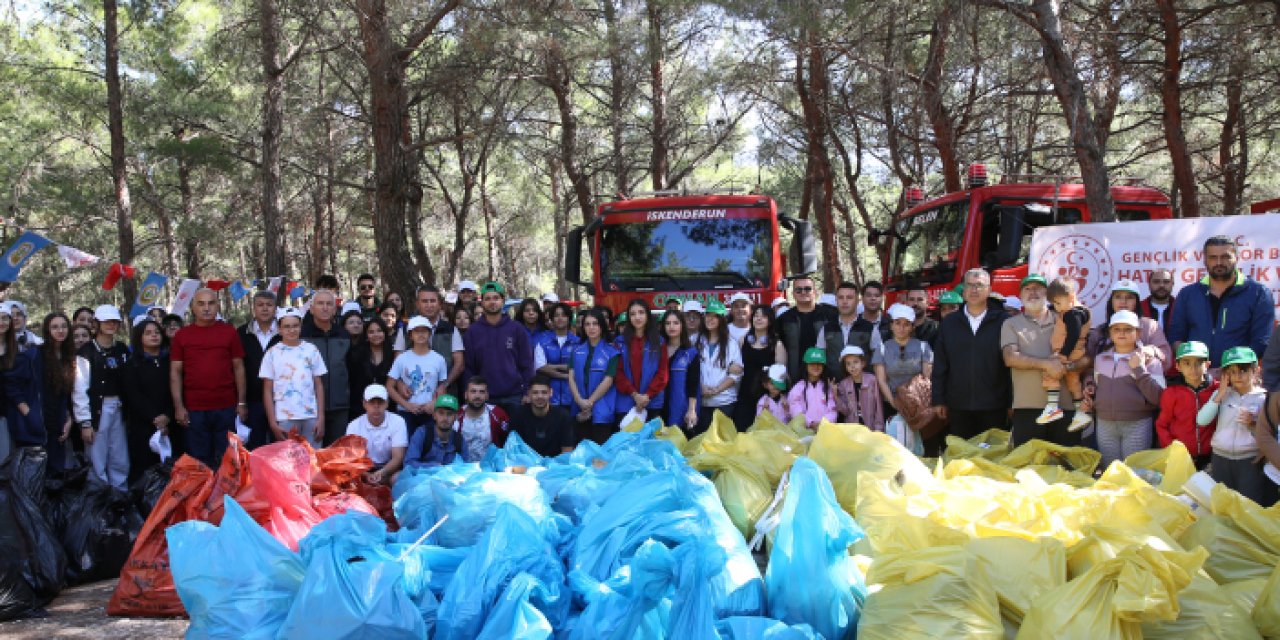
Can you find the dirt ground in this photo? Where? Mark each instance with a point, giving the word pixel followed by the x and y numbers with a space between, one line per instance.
pixel 81 612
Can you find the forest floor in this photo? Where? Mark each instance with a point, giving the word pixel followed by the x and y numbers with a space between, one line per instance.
pixel 81 612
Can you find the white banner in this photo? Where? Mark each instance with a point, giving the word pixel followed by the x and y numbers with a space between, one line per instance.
pixel 76 258
pixel 182 300
pixel 1097 255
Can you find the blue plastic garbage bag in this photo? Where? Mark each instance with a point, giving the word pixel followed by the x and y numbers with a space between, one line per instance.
pixel 594 486
pixel 453 473
pixel 473 505
pixel 755 628
pixel 516 452
pixel 693 614
pixel 634 604
pixel 513 545
pixel 429 564
pixel 415 502
pixel 235 580
pixel 353 588
pixel 516 615
pixel 811 577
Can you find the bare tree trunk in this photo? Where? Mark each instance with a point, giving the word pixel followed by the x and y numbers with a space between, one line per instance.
pixel 187 198
pixel 115 127
pixel 397 189
pixel 1233 166
pixel 944 132
pixel 556 78
pixel 1171 115
pixel 814 89
pixel 560 220
pixel 658 137
pixel 273 228
pixel 617 95
pixel 486 207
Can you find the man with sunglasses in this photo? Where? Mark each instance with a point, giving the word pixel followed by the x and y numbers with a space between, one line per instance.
pixel 367 296
pixel 797 327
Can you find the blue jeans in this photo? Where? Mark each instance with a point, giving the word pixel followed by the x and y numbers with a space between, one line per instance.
pixel 207 434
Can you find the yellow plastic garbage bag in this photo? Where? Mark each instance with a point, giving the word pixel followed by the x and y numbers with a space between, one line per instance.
pixel 1020 570
pixel 1040 452
pixel 845 451
pixel 1102 543
pixel 721 430
pixel 1172 462
pixel 898 523
pixel 1233 555
pixel 773 452
pixel 1054 474
pixel 1266 611
pixel 1259 524
pixel 992 444
pixel 1245 594
pixel 1114 598
pixel 1208 612
pixel 936 593
pixel 674 435
pixel 744 491
pixel 1173 515
pixel 980 467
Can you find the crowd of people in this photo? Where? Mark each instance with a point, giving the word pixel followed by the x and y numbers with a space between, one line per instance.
pixel 450 373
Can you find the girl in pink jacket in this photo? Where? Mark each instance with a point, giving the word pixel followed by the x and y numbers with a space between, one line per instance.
pixel 814 396
pixel 858 396
pixel 773 400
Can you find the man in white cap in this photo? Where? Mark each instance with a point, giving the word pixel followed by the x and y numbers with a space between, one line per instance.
pixel 779 305
pixel 96 403
pixel 385 435
pixel 739 316
pixel 468 293
pixel 206 378
pixel 549 301
pixel 693 312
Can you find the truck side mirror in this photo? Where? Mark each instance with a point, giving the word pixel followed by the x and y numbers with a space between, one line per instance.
pixel 573 256
pixel 803 255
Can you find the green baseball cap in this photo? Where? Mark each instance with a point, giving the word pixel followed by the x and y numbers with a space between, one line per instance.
pixel 447 401
pixel 493 287
pixel 1238 355
pixel 1193 349
pixel 716 307
pixel 950 297
pixel 1034 278
pixel 622 317
pixel 815 355
pixel 959 289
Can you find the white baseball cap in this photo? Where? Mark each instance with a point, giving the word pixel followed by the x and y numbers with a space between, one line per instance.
pixel 451 297
pixel 467 285
pixel 693 306
pixel 1124 317
pixel 349 307
pixel 289 312
pixel 779 302
pixel 1013 302
pixel 899 311
pixel 550 297
pixel 375 391
pixel 19 306
pixel 777 372
pixel 6 308
pixel 106 313
pixel 852 350
pixel 1126 285
pixel 137 320
pixel 739 297
pixel 417 322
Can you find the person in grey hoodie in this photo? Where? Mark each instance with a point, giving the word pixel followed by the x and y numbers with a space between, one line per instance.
pixel 1130 379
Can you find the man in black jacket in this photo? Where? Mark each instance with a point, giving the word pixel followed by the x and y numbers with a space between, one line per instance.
pixel 258 335
pixel 972 389
pixel 333 342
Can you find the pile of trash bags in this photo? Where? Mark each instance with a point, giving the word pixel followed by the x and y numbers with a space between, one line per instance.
pixel 57 529
pixel 286 488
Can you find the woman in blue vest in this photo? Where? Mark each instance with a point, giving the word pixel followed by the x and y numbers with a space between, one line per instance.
pixel 643 369
pixel 684 388
pixel 551 351
pixel 593 365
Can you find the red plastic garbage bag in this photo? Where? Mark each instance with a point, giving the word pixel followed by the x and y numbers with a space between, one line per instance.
pixel 232 479
pixel 379 497
pixel 341 465
pixel 335 503
pixel 146 586
pixel 281 473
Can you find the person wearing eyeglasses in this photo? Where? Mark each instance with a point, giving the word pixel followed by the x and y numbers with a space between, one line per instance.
pixel 797 327
pixel 972 389
pixel 367 296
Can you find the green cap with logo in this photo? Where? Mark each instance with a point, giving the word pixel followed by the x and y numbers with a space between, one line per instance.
pixel 1034 278
pixel 493 287
pixel 622 318
pixel 1238 355
pixel 1193 349
pixel 950 297
pixel 716 307
pixel 815 355
pixel 446 401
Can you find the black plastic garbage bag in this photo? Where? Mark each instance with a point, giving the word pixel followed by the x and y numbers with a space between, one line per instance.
pixel 29 546
pixel 101 526
pixel 148 488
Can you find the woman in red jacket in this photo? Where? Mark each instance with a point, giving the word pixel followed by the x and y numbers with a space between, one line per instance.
pixel 1183 399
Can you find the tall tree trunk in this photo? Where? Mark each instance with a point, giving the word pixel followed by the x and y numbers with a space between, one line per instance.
pixel 561 223
pixel 1233 165
pixel 115 127
pixel 556 78
pixel 486 207
pixel 272 221
pixel 396 185
pixel 188 202
pixel 931 91
pixel 659 136
pixel 617 98
pixel 814 89
pixel 1171 115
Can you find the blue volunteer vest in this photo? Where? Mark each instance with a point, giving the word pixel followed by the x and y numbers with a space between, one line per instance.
pixel 677 402
pixel 588 375
pixel 648 369
pixel 557 354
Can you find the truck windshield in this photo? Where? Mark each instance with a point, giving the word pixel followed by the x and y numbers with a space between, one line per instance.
pixel 687 254
pixel 928 243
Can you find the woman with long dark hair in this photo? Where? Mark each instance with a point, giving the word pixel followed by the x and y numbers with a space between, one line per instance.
pixel 551 352
pixel 720 368
pixel 23 377
pixel 593 367
pixel 684 386
pixel 58 361
pixel 760 348
pixel 529 315
pixel 461 318
pixel 369 362
pixel 390 316
pixel 148 402
pixel 643 370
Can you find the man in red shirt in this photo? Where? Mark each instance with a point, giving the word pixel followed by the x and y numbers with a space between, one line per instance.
pixel 206 377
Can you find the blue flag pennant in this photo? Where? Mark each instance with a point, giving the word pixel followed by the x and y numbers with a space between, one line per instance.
pixel 239 289
pixel 19 253
pixel 149 293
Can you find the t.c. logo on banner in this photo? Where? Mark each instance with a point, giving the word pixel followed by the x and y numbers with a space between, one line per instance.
pixel 16 257
pixel 149 293
pixel 1082 259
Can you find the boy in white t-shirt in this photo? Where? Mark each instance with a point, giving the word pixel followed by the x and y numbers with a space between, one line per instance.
pixel 292 392
pixel 384 433
pixel 417 376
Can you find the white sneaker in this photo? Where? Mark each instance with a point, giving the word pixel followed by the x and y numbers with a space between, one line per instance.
pixel 1080 421
pixel 1051 413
